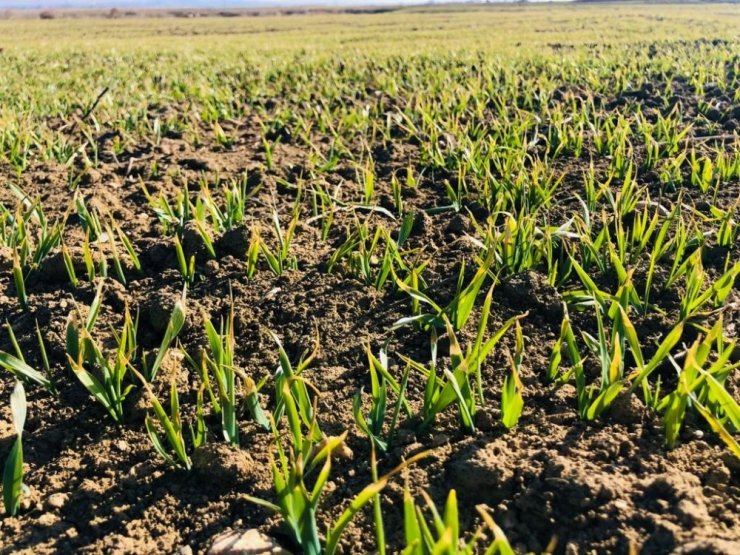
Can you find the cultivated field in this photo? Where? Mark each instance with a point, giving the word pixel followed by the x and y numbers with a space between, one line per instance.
pixel 429 281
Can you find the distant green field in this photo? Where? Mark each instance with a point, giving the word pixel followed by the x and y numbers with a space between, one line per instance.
pixel 499 29
pixel 49 64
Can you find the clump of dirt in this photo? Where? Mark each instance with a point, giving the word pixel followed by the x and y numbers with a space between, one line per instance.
pixel 221 463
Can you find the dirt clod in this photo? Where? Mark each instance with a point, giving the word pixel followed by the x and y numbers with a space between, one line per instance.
pixel 222 463
pixel 56 501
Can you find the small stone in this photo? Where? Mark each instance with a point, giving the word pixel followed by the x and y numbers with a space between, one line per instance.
pixel 56 501
pixel 440 439
pixel 272 293
pixel 245 542
pixel 344 452
pixel 185 550
pixel 174 368
pixel 122 446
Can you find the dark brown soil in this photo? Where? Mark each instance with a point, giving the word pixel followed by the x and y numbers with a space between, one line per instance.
pixel 608 486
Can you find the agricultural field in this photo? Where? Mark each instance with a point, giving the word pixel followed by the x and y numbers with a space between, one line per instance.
pixel 435 280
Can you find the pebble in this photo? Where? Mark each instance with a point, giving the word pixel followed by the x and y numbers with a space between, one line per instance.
pixel 440 439
pixel 245 542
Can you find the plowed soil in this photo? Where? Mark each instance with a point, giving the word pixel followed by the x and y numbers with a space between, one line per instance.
pixel 607 486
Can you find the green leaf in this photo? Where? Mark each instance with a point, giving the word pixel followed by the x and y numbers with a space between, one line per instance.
pixel 669 341
pixel 92 316
pixel 13 470
pixel 512 401
pixel 157 443
pixel 462 306
pixel 500 545
pixel 411 525
pixel 13 478
pixel 631 336
pixel 727 403
pixel 674 405
pixel 719 429
pixel 174 325
pixel 255 409
pixel 494 339
pixel 603 400
pixel 451 517
pixel 363 498
pixel 593 289
pixel 22 370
